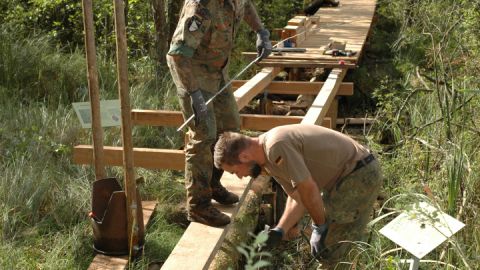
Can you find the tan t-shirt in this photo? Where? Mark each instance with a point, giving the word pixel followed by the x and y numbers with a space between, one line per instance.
pixel 295 152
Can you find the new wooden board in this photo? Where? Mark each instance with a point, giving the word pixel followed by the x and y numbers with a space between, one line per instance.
pixel 258 122
pixel 254 86
pixel 142 157
pixel 199 244
pixel 322 102
pixel 102 262
pixel 298 87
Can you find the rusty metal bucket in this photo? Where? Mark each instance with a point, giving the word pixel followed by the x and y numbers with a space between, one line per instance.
pixel 109 218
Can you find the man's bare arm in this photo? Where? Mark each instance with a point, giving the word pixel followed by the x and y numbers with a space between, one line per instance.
pixel 312 200
pixel 181 67
pixel 294 211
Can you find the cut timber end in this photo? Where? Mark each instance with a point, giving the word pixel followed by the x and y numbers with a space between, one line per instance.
pixel 102 262
pixel 254 86
pixel 199 244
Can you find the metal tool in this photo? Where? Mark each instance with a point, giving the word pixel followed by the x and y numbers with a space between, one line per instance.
pixel 221 91
pixel 299 50
pixel 236 76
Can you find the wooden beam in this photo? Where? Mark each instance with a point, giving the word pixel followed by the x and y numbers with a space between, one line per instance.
pixel 305 64
pixel 320 105
pixel 254 86
pixel 200 243
pixel 259 122
pixel 102 262
pixel 299 87
pixel 151 158
pixel 142 157
pixel 308 55
pixel 157 118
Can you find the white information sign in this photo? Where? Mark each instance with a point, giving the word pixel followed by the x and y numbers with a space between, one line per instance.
pixel 421 229
pixel 110 113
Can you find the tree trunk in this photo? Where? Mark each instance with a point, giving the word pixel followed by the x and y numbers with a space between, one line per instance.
pixel 174 9
pixel 161 34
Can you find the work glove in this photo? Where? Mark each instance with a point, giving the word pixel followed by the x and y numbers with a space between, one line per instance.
pixel 275 236
pixel 264 46
pixel 317 240
pixel 198 105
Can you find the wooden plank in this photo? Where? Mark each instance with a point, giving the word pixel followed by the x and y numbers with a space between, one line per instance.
pixel 157 118
pixel 93 89
pixel 151 158
pixel 282 63
pixel 297 20
pixel 126 124
pixel 142 157
pixel 332 112
pixel 308 55
pixel 254 86
pixel 199 244
pixel 322 102
pixel 257 122
pixel 102 262
pixel 261 122
pixel 299 87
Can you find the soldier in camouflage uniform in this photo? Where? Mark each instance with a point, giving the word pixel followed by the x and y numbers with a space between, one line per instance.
pixel 323 171
pixel 198 61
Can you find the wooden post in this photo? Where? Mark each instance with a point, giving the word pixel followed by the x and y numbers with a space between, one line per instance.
pixel 92 74
pixel 129 174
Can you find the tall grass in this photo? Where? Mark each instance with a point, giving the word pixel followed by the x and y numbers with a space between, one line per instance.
pixel 44 197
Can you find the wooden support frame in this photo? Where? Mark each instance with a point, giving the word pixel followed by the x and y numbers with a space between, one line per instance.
pixel 299 87
pixel 321 104
pixel 257 122
pixel 307 56
pixel 150 158
pixel 142 157
pixel 284 63
pixel 254 86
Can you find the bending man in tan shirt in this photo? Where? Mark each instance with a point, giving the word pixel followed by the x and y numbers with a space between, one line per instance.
pixel 323 171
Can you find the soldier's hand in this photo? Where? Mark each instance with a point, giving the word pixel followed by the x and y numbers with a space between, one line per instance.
pixel 264 46
pixel 275 236
pixel 198 105
pixel 317 240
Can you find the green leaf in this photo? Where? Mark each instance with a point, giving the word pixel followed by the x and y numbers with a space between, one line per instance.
pixel 261 264
pixel 261 238
pixel 243 251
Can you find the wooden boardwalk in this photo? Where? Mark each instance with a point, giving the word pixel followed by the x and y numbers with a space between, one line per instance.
pixel 349 23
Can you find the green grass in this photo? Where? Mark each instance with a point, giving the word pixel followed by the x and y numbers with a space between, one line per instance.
pixel 419 78
pixel 44 197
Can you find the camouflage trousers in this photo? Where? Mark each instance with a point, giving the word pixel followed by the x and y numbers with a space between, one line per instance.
pixel 200 173
pixel 349 207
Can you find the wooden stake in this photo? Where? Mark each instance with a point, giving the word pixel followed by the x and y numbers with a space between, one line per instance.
pixel 129 174
pixel 92 74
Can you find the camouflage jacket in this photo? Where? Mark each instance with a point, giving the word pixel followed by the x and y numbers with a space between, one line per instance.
pixel 206 30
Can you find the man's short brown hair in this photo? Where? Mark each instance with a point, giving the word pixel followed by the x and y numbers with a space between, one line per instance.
pixel 228 148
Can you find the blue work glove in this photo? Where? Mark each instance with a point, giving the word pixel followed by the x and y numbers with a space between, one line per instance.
pixel 264 46
pixel 317 240
pixel 198 105
pixel 275 236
